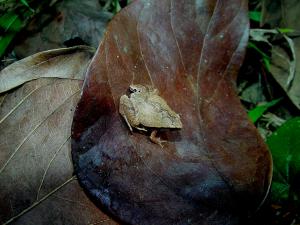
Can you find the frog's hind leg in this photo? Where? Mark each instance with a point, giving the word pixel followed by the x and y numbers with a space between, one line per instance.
pixel 141 128
pixel 155 139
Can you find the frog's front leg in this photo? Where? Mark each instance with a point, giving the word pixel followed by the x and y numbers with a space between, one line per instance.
pixel 128 112
pixel 155 139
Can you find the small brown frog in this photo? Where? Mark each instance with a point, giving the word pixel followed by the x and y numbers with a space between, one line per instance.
pixel 145 107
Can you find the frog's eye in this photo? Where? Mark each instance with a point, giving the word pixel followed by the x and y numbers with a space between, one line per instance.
pixel 133 90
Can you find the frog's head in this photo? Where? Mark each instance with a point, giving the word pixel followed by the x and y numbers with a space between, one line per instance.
pixel 138 88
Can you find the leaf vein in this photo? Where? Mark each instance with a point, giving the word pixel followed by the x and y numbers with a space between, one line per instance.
pixel 140 47
pixel 33 130
pixel 48 166
pixel 172 28
pixel 36 203
pixel 21 102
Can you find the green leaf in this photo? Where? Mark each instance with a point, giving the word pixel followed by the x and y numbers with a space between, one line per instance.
pixel 280 191
pixel 10 22
pixel 284 144
pixel 5 41
pixel 258 111
pixel 252 45
pixel 255 15
pixel 24 2
pixel 266 61
pixel 117 6
pixel 286 30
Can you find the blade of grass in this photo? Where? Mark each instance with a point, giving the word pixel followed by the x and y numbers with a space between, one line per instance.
pixel 117 6
pixel 252 45
pixel 267 63
pixel 24 2
pixel 258 111
pixel 266 59
pixel 286 30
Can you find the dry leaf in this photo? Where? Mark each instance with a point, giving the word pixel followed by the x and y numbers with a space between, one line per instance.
pixel 286 70
pixel 285 61
pixel 216 169
pixel 75 19
pixel 64 63
pixel 36 181
pixel 278 13
pixel 37 185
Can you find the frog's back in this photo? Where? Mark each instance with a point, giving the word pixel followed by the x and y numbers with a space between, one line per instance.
pixel 155 114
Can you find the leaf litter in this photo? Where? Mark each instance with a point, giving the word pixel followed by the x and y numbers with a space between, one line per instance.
pixel 74 22
pixel 285 66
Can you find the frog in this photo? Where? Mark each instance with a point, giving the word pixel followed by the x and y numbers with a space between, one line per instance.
pixel 144 108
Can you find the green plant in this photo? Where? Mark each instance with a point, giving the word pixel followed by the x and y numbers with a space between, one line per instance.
pixel 255 113
pixel 14 15
pixel 114 6
pixel 284 144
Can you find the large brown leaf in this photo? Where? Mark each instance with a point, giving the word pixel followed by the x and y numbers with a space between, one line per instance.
pixel 216 169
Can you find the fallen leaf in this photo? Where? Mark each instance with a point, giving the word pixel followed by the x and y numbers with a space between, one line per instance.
pixel 272 11
pixel 37 185
pixel 286 69
pixel 64 63
pixel 75 19
pixel 36 173
pixel 279 13
pixel 285 66
pixel 216 169
pixel 262 35
pixel 253 94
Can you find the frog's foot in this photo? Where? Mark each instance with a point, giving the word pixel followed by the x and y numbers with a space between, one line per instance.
pixel 155 139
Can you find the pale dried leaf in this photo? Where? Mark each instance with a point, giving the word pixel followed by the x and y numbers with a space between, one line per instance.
pixel 36 173
pixel 286 70
pixel 262 35
pixel 292 69
pixel 61 63
pixel 283 64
